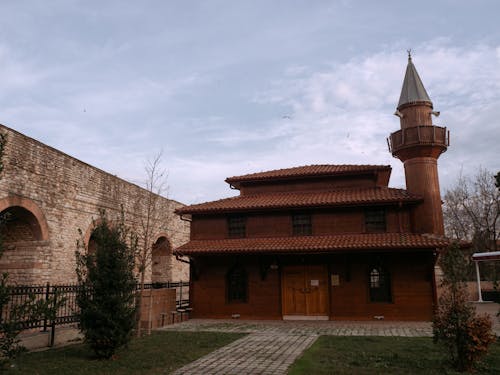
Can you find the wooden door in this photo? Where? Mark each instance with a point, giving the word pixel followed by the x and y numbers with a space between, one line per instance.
pixel 305 290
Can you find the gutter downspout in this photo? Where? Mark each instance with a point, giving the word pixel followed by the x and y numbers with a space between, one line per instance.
pixel 400 224
pixel 185 219
pixel 178 257
pixel 435 256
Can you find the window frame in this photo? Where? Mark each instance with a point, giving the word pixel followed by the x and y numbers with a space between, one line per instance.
pixel 375 220
pixel 240 295
pixel 379 288
pixel 303 228
pixel 236 226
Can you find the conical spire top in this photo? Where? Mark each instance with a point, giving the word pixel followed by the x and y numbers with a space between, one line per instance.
pixel 413 89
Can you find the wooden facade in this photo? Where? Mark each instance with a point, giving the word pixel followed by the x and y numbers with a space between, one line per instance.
pixel 326 242
pixel 342 293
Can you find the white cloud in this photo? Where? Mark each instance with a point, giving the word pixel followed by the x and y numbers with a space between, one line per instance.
pixel 16 74
pixel 343 114
pixel 234 89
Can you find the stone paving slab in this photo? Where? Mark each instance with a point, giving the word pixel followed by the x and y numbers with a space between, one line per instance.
pixel 272 346
pixel 334 328
pixel 257 353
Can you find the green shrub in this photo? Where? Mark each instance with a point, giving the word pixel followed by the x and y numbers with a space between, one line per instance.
pixel 456 325
pixel 106 298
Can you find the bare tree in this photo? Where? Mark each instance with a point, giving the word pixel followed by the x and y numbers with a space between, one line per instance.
pixel 472 210
pixel 154 221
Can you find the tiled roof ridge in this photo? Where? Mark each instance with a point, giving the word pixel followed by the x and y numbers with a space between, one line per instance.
pixel 212 205
pixel 341 241
pixel 307 192
pixel 308 170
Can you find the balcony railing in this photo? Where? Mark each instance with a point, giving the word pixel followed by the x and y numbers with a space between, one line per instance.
pixel 419 135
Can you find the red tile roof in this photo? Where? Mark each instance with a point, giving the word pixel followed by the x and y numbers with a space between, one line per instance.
pixel 314 244
pixel 308 171
pixel 311 199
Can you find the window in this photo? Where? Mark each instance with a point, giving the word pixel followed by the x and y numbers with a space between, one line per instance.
pixel 375 220
pixel 301 225
pixel 380 285
pixel 236 284
pixel 236 226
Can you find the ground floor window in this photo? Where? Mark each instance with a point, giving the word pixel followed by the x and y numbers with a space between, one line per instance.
pixel 380 285
pixel 236 284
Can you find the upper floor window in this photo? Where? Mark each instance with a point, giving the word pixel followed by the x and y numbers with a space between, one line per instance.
pixel 301 225
pixel 380 285
pixel 375 220
pixel 236 284
pixel 236 226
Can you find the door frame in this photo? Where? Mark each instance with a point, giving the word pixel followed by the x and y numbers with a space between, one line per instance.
pixel 326 316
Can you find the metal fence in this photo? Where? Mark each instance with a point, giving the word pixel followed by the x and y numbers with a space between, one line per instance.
pixel 67 313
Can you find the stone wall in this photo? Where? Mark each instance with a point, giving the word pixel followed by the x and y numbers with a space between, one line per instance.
pixel 49 196
pixel 161 302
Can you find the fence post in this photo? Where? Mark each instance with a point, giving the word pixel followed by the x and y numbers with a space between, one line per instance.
pixel 53 322
pixel 46 298
pixel 180 296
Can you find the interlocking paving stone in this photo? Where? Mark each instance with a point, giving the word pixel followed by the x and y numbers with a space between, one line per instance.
pixel 272 346
pixel 336 328
pixel 257 353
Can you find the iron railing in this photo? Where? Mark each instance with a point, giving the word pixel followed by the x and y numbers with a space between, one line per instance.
pixel 68 310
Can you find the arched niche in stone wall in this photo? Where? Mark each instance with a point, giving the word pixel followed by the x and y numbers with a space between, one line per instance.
pixel 24 220
pixel 160 260
pixel 88 240
pixel 26 238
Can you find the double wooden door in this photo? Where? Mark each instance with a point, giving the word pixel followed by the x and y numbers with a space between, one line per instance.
pixel 305 291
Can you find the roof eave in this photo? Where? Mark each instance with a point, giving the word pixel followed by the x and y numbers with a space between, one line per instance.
pixel 342 250
pixel 185 210
pixel 237 180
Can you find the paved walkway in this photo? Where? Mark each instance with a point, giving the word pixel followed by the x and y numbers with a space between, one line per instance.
pixel 272 346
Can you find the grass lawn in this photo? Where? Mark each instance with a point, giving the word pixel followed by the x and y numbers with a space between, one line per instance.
pixel 160 353
pixel 382 355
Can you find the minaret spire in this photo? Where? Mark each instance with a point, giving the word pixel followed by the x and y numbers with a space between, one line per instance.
pixel 413 89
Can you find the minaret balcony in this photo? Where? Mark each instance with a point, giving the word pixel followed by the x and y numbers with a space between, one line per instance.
pixel 423 140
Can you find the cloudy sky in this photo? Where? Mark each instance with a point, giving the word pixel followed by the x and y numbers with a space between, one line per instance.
pixel 233 87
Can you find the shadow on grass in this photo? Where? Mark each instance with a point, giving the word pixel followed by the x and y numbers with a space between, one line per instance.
pixel 160 353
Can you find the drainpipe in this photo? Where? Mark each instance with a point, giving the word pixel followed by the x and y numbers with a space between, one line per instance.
pixel 178 257
pixel 185 218
pixel 400 224
pixel 435 256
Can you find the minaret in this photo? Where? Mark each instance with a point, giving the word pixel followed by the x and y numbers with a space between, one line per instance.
pixel 418 145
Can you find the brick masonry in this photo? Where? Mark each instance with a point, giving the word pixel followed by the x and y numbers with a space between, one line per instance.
pixel 51 195
pixel 161 305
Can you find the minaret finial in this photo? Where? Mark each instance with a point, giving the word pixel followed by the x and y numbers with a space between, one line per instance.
pixel 409 54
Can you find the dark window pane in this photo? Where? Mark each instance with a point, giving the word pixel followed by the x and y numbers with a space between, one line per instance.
pixel 236 226
pixel 380 285
pixel 375 220
pixel 236 283
pixel 374 278
pixel 301 224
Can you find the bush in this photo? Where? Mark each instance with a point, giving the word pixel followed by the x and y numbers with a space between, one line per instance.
pixel 106 298
pixel 465 335
pixel 456 325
